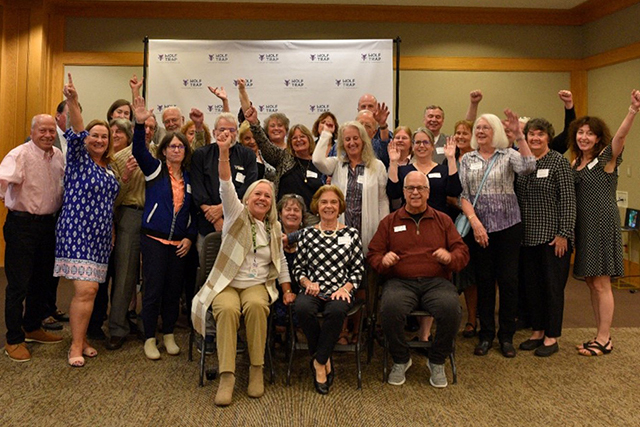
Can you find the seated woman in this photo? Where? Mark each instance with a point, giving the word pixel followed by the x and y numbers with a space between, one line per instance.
pixel 329 266
pixel 243 278
pixel 168 230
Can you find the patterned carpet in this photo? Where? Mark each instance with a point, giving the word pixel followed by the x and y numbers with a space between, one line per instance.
pixel 123 388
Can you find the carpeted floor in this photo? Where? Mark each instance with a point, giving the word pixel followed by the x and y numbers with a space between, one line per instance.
pixel 123 388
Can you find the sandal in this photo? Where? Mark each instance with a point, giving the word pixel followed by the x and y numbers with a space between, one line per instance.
pixel 469 330
pixel 585 344
pixel 75 362
pixel 89 351
pixel 344 338
pixel 594 348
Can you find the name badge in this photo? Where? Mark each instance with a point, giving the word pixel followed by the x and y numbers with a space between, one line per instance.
pixel 239 167
pixel 240 178
pixel 475 166
pixel 434 175
pixel 312 174
pixel 593 163
pixel 542 173
pixel 344 240
pixel 440 150
pixel 360 179
pixel 189 188
pixel 399 228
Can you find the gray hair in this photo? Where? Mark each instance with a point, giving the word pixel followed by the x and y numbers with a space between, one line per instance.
pixel 404 182
pixel 499 135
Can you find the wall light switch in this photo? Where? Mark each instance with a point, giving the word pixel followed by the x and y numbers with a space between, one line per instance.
pixel 622 197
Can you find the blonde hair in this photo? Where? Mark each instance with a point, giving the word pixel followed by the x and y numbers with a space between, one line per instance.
pixel 272 215
pixel 368 156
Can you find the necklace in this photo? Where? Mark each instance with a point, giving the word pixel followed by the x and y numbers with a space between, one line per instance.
pixel 306 168
pixel 328 233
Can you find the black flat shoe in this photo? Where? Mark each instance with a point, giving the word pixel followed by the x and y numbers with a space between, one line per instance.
pixel 482 348
pixel 547 350
pixel 322 388
pixel 469 333
pixel 507 349
pixel 331 375
pixel 530 344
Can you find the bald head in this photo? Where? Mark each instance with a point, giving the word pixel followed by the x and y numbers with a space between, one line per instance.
pixel 416 192
pixel 172 119
pixel 368 102
pixel 43 131
pixel 366 119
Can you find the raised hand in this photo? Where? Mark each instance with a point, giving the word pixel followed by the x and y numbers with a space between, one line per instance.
pixel 197 117
pixel 69 90
pixel 140 110
pixel 251 115
pixel 513 124
pixel 394 152
pixel 450 149
pixel 475 96
pixel 242 84
pixel 219 92
pixel 382 114
pixel 635 99
pixel 567 97
pixel 135 84
pixel 329 126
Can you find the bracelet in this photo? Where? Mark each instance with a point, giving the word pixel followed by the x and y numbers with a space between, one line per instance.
pixel 345 289
pixel 386 126
pixel 223 160
pixel 288 291
pixel 471 217
pixel 633 110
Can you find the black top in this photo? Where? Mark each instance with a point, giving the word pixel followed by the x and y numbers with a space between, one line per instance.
pixel 303 179
pixel 205 180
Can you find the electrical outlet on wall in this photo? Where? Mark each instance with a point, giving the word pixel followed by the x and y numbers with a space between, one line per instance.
pixel 622 197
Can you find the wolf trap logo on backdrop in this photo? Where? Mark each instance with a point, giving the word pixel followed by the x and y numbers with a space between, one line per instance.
pixel 248 83
pixel 167 57
pixel 219 58
pixel 214 109
pixel 345 83
pixel 268 57
pixel 371 57
pixel 268 108
pixel 319 108
pixel 294 83
pixel 320 57
pixel 161 107
pixel 191 83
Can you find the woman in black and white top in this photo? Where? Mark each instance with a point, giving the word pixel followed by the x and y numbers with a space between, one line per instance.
pixel 329 266
pixel 548 207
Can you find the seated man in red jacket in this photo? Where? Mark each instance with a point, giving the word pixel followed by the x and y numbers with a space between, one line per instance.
pixel 417 248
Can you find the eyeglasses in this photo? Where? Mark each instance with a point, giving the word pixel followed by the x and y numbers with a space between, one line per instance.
pixel 412 188
pixel 177 147
pixel 484 128
pixel 425 142
pixel 231 130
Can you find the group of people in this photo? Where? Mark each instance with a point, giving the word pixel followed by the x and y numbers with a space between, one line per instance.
pixel 311 219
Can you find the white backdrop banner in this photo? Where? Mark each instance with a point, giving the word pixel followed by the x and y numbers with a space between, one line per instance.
pixel 300 78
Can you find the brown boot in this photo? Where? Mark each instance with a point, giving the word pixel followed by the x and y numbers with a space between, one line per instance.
pixel 39 335
pixel 225 389
pixel 17 352
pixel 256 382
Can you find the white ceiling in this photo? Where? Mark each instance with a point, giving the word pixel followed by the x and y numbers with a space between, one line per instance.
pixel 535 4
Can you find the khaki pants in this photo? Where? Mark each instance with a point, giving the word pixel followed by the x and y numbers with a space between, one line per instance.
pixel 227 306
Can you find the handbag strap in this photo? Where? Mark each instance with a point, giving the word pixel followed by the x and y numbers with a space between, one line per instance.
pixel 484 178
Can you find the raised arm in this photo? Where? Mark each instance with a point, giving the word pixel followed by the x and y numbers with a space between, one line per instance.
pixel 245 102
pixel 135 86
pixel 75 115
pixel 617 144
pixel 222 96
pixel 148 164
pixel 474 100
pixel 325 164
pixel 381 116
pixel 559 142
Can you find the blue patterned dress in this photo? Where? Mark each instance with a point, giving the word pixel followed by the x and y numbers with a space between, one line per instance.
pixel 85 226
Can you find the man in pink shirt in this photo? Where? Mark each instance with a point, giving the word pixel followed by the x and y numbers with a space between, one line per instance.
pixel 31 178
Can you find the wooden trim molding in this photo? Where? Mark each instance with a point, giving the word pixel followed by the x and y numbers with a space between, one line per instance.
pixel 587 12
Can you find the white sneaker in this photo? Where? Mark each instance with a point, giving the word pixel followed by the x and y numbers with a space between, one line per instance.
pixel 151 349
pixel 438 377
pixel 396 376
pixel 170 344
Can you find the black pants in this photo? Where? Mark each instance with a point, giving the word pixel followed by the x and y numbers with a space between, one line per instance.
pixel 321 338
pixel 29 259
pixel 163 275
pixel 436 295
pixel 498 262
pixel 544 276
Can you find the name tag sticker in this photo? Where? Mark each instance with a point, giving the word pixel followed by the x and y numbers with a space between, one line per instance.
pixel 360 179
pixel 239 167
pixel 434 175
pixel 399 228
pixel 240 178
pixel 189 188
pixel 440 150
pixel 542 173
pixel 344 240
pixel 593 163
pixel 312 174
pixel 475 166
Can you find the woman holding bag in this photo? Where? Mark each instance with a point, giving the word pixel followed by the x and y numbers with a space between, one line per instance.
pixel 494 216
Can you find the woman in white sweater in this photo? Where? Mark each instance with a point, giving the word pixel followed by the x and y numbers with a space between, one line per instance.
pixel 360 176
